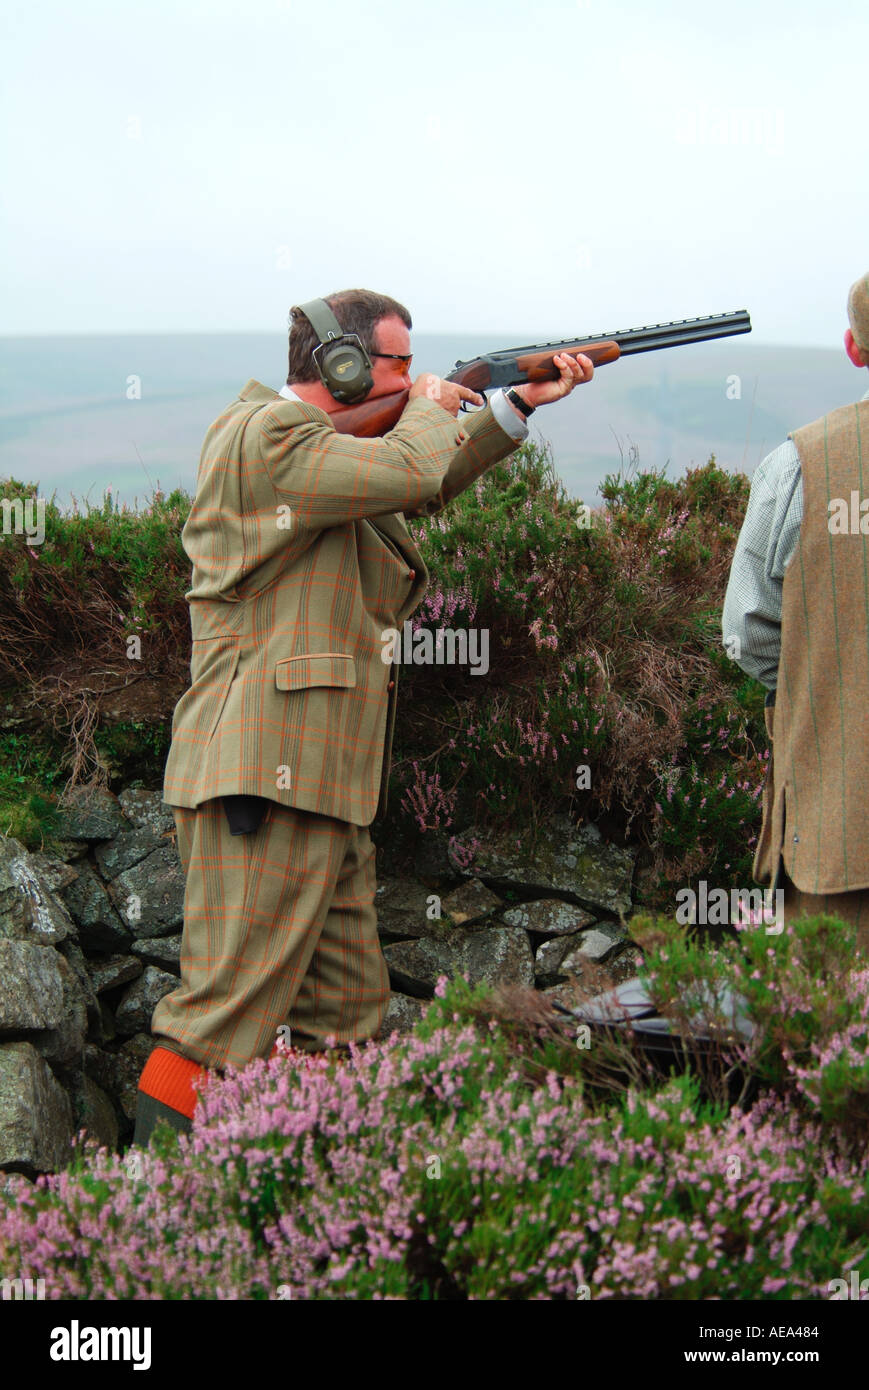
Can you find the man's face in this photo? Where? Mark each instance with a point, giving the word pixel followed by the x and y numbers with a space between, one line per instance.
pixel 389 374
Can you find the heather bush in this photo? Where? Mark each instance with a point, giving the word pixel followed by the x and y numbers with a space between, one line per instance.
pixel 68 609
pixel 801 985
pixel 608 692
pixel 469 1161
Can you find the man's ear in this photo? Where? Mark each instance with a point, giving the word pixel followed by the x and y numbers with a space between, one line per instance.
pixel 856 356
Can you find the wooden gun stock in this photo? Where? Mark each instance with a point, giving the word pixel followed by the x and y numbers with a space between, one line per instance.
pixel 370 418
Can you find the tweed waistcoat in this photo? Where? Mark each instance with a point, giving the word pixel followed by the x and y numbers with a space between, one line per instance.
pixel 815 803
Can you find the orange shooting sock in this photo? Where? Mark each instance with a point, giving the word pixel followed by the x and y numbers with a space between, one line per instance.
pixel 168 1077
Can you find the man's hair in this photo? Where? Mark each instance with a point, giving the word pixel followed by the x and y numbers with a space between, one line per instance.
pixel 858 312
pixel 357 311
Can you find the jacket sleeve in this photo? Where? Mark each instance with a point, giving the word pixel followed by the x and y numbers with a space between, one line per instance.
pixel 482 442
pixel 329 479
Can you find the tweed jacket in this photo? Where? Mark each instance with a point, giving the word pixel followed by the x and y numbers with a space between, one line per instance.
pixel 301 562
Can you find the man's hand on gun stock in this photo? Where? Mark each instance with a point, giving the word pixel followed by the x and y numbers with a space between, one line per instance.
pixel 573 372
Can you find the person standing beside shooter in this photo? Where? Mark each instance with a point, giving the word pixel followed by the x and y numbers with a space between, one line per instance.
pixel 796 615
pixel 280 748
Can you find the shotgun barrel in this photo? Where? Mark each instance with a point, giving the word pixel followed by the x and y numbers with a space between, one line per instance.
pixel 512 365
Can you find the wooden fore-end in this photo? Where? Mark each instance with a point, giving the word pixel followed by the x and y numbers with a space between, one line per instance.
pixel 540 366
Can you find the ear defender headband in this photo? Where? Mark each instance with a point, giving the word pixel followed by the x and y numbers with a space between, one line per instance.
pixel 341 360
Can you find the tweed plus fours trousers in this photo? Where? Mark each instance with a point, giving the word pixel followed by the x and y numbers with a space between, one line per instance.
pixel 279 929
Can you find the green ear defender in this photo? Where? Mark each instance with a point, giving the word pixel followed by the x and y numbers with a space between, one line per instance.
pixel 341 360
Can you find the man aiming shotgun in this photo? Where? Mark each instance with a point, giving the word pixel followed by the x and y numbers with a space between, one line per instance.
pixel 280 748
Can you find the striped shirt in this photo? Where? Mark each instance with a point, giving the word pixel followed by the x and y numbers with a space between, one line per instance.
pixel 751 621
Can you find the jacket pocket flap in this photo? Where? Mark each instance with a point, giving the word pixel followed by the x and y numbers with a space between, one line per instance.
pixel 330 668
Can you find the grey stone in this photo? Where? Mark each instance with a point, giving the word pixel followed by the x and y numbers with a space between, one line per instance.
pixel 90 813
pixel 15 913
pixel 101 1066
pixel 402 1015
pixel 14 1184
pixel 49 920
pixel 99 926
pixel 402 907
pixel 117 1072
pixel 29 909
pixel 75 955
pixel 55 872
pixel 70 850
pixel 593 945
pixel 150 896
pixel 499 955
pixel 98 1114
pixel 131 1060
pixel 549 917
pixel 114 971
pixel 160 950
pixel 36 1122
pixel 31 987
pixel 127 848
pixel 471 902
pixel 133 1014
pixel 547 961
pixel 143 808
pixel 494 955
pixel 64 1043
pixel 571 859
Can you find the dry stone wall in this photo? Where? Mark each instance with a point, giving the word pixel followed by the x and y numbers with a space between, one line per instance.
pixel 90 941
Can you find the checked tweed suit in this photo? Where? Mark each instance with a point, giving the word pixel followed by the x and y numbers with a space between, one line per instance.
pixel 301 560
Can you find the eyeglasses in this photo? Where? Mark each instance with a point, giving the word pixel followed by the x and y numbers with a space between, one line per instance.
pixel 406 358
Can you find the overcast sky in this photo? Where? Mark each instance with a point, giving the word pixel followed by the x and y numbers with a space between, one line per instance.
pixel 548 168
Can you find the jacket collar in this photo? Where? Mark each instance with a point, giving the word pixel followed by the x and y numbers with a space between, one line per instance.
pixel 255 391
pixel 260 395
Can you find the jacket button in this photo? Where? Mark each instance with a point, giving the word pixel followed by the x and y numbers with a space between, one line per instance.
pixel 411 574
pixel 391 685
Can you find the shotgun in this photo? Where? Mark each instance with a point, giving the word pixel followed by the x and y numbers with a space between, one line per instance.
pixel 512 366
